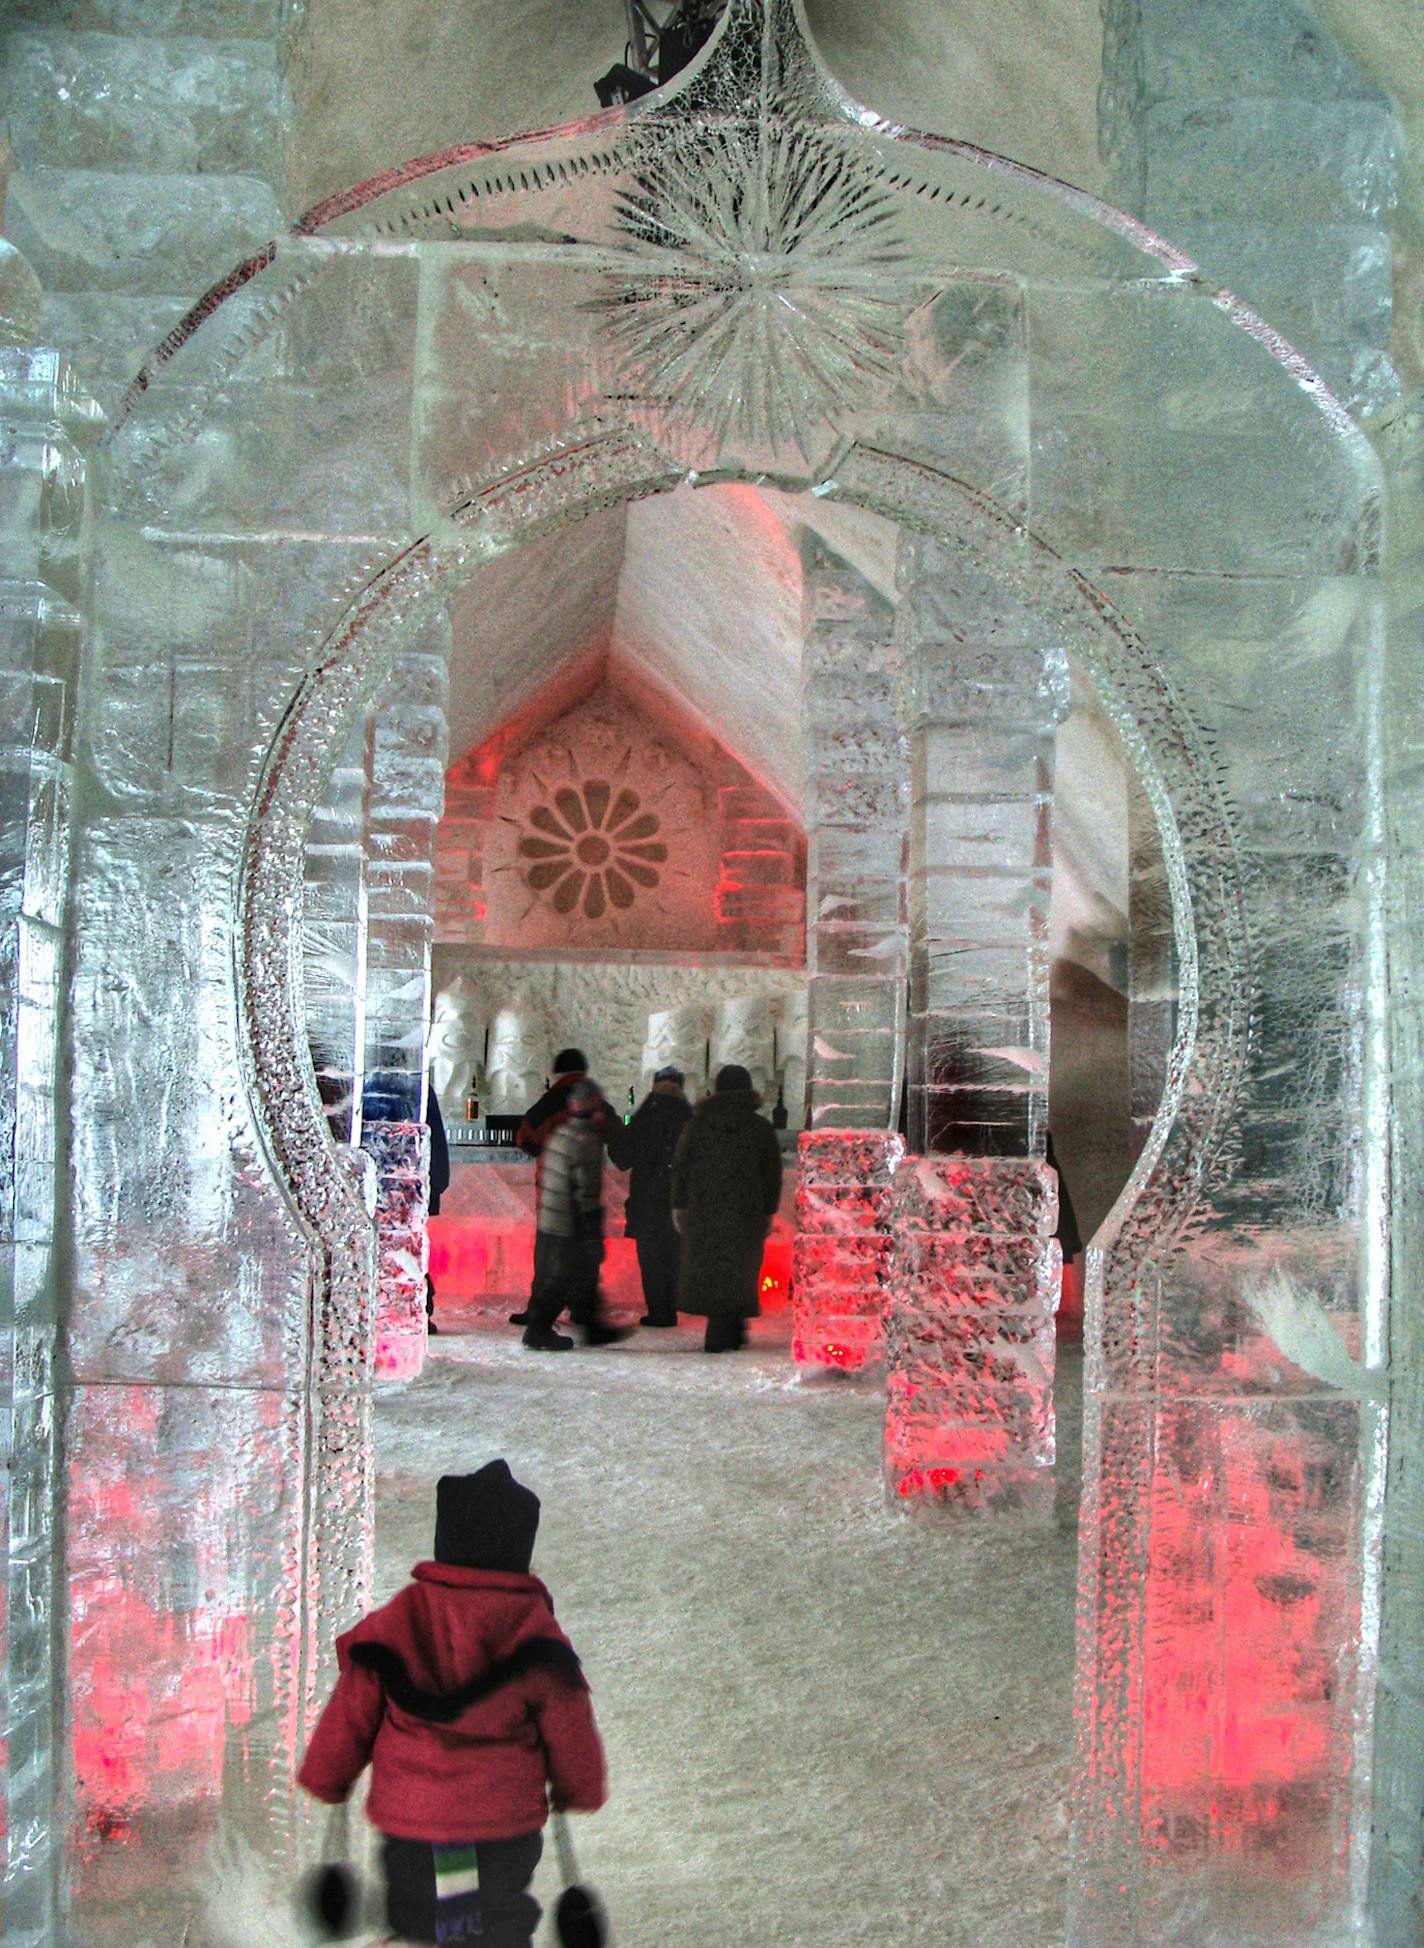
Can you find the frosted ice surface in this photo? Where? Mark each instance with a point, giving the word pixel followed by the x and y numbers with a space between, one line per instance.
pixel 809 1745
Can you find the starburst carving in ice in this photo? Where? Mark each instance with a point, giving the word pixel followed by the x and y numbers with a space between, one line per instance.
pixel 754 298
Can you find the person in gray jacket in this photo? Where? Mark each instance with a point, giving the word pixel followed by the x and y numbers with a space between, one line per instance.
pixel 570 1226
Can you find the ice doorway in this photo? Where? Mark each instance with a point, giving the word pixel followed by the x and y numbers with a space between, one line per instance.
pixel 714 1535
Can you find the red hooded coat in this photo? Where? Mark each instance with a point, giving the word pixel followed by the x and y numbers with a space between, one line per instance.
pixel 443 1769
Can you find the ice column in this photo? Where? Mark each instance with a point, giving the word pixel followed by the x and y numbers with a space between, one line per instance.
pixel 407 786
pixel 969 1413
pixel 856 798
pixel 983 690
pixel 49 425
pixel 841 1256
pixel 334 940
pixel 1398 1864
pixel 974 1283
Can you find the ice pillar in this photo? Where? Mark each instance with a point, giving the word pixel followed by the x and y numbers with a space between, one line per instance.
pixel 334 940
pixel 969 1414
pixel 856 797
pixel 49 425
pixel 841 1256
pixel 974 1284
pixel 1398 1863
pixel 407 785
pixel 983 690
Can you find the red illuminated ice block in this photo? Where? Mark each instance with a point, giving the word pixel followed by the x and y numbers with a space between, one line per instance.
pixel 842 1252
pixel 970 1349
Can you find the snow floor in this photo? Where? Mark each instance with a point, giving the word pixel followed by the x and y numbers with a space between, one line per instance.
pixel 827 1724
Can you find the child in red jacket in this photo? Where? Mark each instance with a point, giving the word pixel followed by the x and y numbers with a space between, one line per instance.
pixel 470 1706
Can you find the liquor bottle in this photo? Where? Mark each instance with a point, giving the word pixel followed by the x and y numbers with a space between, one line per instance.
pixel 780 1116
pixel 472 1101
pixel 628 1113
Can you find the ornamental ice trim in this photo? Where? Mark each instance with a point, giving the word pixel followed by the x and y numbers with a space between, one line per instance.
pixel 752 301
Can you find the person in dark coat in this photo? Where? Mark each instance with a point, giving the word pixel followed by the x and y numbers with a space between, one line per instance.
pixel 439 1184
pixel 726 1188
pixel 569 1248
pixel 470 1706
pixel 540 1122
pixel 644 1146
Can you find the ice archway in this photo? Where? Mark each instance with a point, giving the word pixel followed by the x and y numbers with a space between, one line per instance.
pixel 755 279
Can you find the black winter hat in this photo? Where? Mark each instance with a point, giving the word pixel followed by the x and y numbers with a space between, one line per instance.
pixel 570 1061
pixel 486 1520
pixel 733 1076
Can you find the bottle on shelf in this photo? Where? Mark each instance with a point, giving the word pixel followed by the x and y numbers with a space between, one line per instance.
pixel 472 1101
pixel 780 1116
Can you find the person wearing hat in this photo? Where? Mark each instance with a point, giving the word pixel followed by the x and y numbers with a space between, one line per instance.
pixel 644 1147
pixel 568 1253
pixel 470 1706
pixel 537 1130
pixel 726 1189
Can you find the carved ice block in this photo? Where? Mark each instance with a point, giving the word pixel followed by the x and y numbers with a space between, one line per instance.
pixel 742 1031
pixel 970 1346
pixel 518 1061
pixel 793 1036
pixel 842 1251
pixel 676 1038
pixel 402 1157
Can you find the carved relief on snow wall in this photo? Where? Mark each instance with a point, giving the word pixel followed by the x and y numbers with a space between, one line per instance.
pixel 606 832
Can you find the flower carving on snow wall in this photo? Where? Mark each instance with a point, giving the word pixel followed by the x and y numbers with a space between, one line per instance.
pixel 592 848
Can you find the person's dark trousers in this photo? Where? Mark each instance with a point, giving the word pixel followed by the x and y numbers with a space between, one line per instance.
pixel 585 1267
pixel 543 1240
pixel 726 1333
pixel 657 1263
pixel 557 1265
pixel 508 1911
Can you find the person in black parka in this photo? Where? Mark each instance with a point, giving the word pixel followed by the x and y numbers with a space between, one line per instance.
pixel 645 1146
pixel 439 1184
pixel 726 1187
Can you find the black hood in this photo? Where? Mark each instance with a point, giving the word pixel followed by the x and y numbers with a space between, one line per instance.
pixel 486 1520
pixel 728 1108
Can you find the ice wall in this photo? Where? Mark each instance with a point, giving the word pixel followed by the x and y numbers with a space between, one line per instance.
pixel 1090 429
pixel 1244 132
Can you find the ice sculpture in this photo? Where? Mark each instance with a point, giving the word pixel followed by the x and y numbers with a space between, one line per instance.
pixel 744 1031
pixel 518 1061
pixel 404 386
pixel 974 1277
pixel 842 1253
pixel 676 1037
pixel 793 1028
pixel 456 1045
